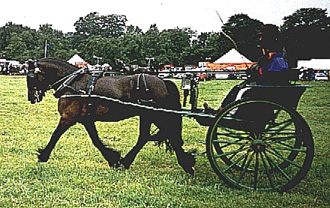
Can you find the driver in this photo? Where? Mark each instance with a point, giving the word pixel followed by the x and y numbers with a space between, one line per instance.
pixel 271 68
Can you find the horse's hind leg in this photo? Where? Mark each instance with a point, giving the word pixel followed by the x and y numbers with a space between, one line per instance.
pixel 60 129
pixel 110 155
pixel 172 126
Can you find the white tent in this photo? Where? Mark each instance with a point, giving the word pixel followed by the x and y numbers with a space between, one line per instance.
pixel 232 56
pixel 316 64
pixel 76 60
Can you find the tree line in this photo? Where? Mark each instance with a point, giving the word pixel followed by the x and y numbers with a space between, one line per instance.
pixel 306 33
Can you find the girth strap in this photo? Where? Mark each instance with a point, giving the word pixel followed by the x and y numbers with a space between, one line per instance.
pixel 92 81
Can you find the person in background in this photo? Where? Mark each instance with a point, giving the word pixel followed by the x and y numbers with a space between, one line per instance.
pixel 271 68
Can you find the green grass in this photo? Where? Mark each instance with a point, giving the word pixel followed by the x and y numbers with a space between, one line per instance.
pixel 76 174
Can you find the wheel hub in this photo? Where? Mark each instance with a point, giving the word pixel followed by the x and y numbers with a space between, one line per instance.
pixel 258 146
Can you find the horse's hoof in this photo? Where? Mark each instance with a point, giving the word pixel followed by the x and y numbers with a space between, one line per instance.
pixel 113 158
pixel 187 163
pixel 121 167
pixel 113 164
pixel 191 170
pixel 41 158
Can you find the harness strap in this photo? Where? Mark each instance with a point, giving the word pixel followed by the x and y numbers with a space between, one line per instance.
pixel 80 71
pixel 92 82
pixel 67 81
pixel 90 88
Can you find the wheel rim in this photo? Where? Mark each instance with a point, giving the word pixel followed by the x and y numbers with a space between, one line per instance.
pixel 260 154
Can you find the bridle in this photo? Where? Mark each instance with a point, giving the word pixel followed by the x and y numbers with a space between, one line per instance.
pixel 59 85
pixel 33 80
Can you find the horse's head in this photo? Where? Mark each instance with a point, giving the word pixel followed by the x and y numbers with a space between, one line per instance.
pixel 44 74
pixel 35 83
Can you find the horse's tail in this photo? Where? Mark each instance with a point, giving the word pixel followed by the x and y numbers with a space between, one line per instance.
pixel 173 100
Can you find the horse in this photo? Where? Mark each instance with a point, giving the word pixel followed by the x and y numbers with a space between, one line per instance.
pixel 48 73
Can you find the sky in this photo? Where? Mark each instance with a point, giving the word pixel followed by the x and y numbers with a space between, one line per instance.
pixel 166 14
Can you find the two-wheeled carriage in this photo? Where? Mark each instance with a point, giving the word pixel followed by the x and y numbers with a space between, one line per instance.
pixel 259 141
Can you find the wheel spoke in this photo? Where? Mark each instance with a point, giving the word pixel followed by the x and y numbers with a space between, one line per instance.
pixel 277 154
pixel 233 135
pixel 267 172
pixel 230 153
pixel 228 142
pixel 292 149
pixel 245 159
pixel 283 138
pixel 278 167
pixel 241 147
pixel 245 168
pixel 256 168
pixel 285 124
pixel 273 132
pixel 238 122
pixel 236 162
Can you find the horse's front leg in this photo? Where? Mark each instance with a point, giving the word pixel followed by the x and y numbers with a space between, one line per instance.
pixel 142 140
pixel 60 129
pixel 110 155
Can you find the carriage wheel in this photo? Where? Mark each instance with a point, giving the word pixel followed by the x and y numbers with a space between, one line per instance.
pixel 260 145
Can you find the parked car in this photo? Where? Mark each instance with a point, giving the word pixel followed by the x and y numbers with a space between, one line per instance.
pixel 232 76
pixel 221 76
pixel 178 75
pixel 321 77
pixel 165 74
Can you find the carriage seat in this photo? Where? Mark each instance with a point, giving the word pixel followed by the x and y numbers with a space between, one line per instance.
pixel 253 117
pixel 288 95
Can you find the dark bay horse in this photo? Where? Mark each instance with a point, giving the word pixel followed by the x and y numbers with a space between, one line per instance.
pixel 52 73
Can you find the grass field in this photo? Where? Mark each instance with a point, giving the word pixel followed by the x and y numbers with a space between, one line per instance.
pixel 76 174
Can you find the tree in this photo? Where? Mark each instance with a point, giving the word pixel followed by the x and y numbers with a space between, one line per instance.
pixel 307 33
pixel 16 47
pixel 134 30
pixel 105 25
pixel 244 31
pixel 151 44
pixel 210 45
pixel 58 43
pixel 132 50
pixel 109 49
pixel 172 43
pixel 22 34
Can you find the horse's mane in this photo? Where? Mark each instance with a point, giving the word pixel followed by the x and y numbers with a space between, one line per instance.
pixel 56 64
